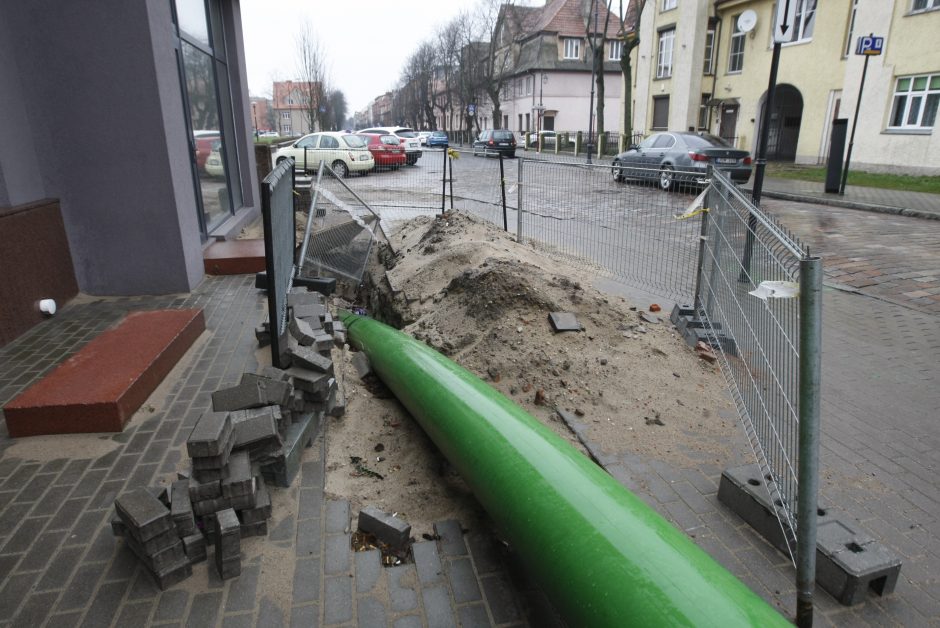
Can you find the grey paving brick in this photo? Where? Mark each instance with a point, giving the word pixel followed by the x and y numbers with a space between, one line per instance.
pixel 19 478
pixel 312 474
pixel 368 570
pixel 106 494
pixel 86 527
pixel 283 530
pixel 306 581
pixel 123 566
pixel 54 466
pixel 60 569
pixel 81 587
pixel 337 554
pixel 427 562
pixel 305 616
pixel 65 620
pixel 171 606
pixel 269 614
pixel 105 605
pixel 242 620
pixel 11 516
pixel 473 616
pixel 241 593
pixel 204 609
pixel 463 580
pixel 500 599
pixel 51 501
pixel 36 486
pixel 402 585
pixel 371 612
pixel 337 600
pixel 89 483
pixel 24 536
pixel 142 475
pixel 308 538
pixel 438 608
pixel 40 552
pixel 482 548
pixel 337 516
pixel 68 512
pixel 13 593
pixel 451 534
pixel 310 502
pixel 35 610
pixel 408 621
pixel 386 527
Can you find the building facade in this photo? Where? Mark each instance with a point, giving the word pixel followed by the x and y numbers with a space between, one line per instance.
pixel 111 110
pixel 545 68
pixel 700 65
pixel 291 108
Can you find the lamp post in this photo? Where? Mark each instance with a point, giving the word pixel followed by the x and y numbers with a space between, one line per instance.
pixel 254 114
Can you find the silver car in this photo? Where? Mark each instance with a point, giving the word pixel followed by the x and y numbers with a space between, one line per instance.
pixel 681 157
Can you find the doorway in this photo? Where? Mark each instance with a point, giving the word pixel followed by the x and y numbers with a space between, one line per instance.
pixel 785 120
pixel 729 123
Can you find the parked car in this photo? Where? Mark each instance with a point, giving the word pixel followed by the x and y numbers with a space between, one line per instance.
pixel 407 137
pixel 214 166
pixel 495 141
pixel 386 150
pixel 548 139
pixel 682 157
pixel 203 139
pixel 343 152
pixel 423 137
pixel 438 138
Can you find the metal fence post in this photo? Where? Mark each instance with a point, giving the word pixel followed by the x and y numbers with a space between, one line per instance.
pixel 444 183
pixel 502 190
pixel 808 481
pixel 519 202
pixel 450 160
pixel 703 234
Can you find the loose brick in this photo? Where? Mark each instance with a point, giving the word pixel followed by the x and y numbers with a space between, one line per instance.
pixel 210 435
pixel 181 509
pixel 256 425
pixel 384 526
pixel 276 391
pixel 302 332
pixel 202 491
pixel 240 479
pixel 143 514
pixel 195 547
pixel 307 358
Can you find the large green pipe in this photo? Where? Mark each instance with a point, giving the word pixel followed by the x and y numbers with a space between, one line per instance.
pixel 603 557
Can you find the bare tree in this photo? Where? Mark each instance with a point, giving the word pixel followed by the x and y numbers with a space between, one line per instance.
pixel 314 71
pixel 336 109
pixel 592 29
pixel 631 39
pixel 493 15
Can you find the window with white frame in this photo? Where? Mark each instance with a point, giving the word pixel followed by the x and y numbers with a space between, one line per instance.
pixel 572 48
pixel 614 49
pixel 849 37
pixel 736 53
pixel 703 112
pixel 924 5
pixel 668 5
pixel 285 115
pixel 804 23
pixel 708 67
pixel 915 102
pixel 664 57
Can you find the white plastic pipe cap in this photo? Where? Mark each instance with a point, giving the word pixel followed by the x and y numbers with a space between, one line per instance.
pixel 47 306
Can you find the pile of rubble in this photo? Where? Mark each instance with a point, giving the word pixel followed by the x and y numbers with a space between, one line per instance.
pixel 253 436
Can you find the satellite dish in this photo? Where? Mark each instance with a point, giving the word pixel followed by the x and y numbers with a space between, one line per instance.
pixel 747 21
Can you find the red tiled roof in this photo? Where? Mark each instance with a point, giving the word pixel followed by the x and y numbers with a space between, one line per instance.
pixel 567 18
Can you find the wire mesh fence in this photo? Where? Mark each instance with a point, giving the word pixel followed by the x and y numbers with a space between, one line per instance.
pixel 277 210
pixel 627 227
pixel 750 295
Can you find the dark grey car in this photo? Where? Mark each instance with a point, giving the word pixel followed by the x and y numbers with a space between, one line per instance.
pixel 495 142
pixel 681 157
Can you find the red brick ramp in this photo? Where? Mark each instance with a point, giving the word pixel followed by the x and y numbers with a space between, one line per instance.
pixel 234 257
pixel 101 386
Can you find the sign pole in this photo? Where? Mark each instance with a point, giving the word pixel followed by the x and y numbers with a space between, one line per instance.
pixel 867 46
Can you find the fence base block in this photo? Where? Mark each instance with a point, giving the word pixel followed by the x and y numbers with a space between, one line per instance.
pixel 848 561
pixel 324 285
pixel 694 330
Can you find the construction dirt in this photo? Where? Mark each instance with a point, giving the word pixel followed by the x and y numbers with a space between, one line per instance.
pixel 469 290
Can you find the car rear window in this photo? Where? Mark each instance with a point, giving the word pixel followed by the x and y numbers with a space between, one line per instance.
pixel 502 135
pixel 704 141
pixel 355 141
pixel 405 133
pixel 389 139
pixel 439 134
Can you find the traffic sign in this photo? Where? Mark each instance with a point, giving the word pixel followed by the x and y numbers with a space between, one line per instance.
pixel 471 109
pixel 785 21
pixel 869 45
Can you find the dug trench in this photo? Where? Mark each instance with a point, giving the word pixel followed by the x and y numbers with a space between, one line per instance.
pixel 470 291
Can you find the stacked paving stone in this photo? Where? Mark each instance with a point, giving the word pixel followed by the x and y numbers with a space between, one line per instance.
pixel 150 531
pixel 253 435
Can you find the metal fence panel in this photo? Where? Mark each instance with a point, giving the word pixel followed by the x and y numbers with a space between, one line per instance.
pixel 277 209
pixel 628 228
pixel 757 339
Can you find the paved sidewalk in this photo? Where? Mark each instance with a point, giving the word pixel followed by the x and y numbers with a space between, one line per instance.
pixel 913 204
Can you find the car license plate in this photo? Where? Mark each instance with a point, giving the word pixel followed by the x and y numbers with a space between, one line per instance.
pixel 504 143
pixel 726 160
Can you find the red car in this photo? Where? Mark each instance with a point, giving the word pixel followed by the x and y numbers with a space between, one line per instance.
pixel 385 149
pixel 204 141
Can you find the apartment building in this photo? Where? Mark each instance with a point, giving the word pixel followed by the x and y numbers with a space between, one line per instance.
pixel 704 64
pixel 291 107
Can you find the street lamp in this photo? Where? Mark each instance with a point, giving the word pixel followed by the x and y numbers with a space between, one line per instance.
pixel 254 114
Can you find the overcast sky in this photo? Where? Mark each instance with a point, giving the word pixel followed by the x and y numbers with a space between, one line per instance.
pixel 367 41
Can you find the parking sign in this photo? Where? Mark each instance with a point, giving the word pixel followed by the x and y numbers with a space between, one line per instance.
pixel 869 45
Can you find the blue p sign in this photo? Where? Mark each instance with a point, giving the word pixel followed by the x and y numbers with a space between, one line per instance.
pixel 869 45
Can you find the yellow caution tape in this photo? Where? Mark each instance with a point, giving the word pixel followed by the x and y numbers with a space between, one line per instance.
pixel 694 212
pixel 453 154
